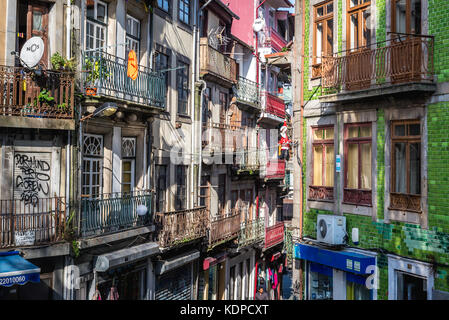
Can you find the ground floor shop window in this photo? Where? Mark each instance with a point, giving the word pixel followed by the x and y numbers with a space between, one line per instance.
pixel 320 282
pixel 356 288
pixel 411 287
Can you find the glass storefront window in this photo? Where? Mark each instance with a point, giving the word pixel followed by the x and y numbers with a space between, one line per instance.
pixel 320 282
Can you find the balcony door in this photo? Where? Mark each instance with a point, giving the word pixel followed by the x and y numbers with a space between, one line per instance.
pixel 92 165
pixel 358 61
pixel 35 14
pixel 406 50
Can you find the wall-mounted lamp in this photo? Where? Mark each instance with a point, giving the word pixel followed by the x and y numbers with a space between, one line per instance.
pixel 107 109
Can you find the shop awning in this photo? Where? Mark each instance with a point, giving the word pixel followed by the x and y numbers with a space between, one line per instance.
pixel 347 261
pixel 125 256
pixel 16 270
pixel 175 262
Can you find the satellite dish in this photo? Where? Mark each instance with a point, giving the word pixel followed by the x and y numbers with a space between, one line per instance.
pixel 32 52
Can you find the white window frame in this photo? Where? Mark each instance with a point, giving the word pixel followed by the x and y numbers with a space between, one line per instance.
pixel 132 41
pixel 132 159
pixel 97 26
pixel 93 158
pixel 416 268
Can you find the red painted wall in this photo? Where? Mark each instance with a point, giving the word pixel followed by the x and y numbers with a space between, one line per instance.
pixel 243 28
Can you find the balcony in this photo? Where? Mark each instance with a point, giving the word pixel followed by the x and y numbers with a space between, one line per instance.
pixel 274 235
pixel 114 212
pixel 30 222
pixel 222 137
pixel 273 108
pixel 274 169
pixel 247 93
pixel 400 66
pixel 251 231
pixel 105 75
pixel 224 228
pixel 276 40
pixel 29 100
pixel 246 161
pixel 179 227
pixel 216 66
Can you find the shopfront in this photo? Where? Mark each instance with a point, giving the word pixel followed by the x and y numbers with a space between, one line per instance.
pixel 338 275
pixel 269 274
pixel 212 280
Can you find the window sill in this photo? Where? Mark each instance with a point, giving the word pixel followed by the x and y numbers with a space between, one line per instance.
pixel 320 200
pixel 184 118
pixel 184 26
pixel 358 204
pixel 164 14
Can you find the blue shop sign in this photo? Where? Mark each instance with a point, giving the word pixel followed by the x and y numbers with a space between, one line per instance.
pixel 347 261
pixel 16 270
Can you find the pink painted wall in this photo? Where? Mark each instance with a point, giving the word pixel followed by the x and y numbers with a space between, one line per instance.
pixel 243 28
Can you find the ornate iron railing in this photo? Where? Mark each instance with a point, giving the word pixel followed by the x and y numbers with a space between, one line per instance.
pixel 24 93
pixel 402 60
pixel 247 91
pixel 405 202
pixel 321 193
pixel 224 228
pixel 106 75
pixel 178 227
pixel 114 212
pixel 251 231
pixel 32 222
pixel 214 62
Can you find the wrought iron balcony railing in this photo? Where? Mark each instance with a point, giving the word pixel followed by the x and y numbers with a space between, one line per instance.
pixel 215 63
pixel 106 75
pixel 404 59
pixel 224 228
pixel 115 212
pixel 247 91
pixel 29 222
pixel 178 227
pixel 251 231
pixel 26 94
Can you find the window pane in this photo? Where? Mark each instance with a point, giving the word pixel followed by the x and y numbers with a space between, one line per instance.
pixel 354 31
pixel 400 185
pixel 90 6
pixel 317 165
pixel 329 37
pixel 366 30
pixel 126 166
pixel 353 132
pixel 401 16
pixel 353 166
pixel 320 11
pixel 330 8
pixel 399 130
pixel 365 132
pixel 354 3
pixel 318 134
pixel 329 179
pixel 319 41
pixel 414 129
pixel 37 20
pixel 366 166
pixel 329 133
pixel 415 168
pixel 101 13
pixel 415 19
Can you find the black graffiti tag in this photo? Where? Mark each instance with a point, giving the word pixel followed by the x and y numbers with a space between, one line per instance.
pixel 33 178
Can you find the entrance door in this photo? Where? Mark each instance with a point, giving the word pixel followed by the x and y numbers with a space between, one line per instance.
pixel 37 25
pixel 411 287
pixel 221 281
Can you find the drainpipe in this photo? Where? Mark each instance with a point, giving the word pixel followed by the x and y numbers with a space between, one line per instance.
pixel 192 103
pixel 200 136
pixel 68 24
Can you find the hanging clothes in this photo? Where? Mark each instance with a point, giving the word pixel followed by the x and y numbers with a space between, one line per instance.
pixel 113 293
pixel 97 294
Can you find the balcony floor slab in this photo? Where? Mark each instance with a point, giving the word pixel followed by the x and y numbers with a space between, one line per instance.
pixel 37 123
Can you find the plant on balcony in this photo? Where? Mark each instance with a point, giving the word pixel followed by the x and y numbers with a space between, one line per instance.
pixel 62 64
pixel 45 97
pixel 95 69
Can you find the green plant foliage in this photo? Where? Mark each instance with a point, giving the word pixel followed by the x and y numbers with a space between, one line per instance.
pixel 60 63
pixel 44 97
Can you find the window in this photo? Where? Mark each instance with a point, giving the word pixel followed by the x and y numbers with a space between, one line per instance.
pixel 358 31
pixel 161 174
pixel 322 187
pixel 223 106
pixel 181 187
pixel 221 194
pixel 132 35
pixel 92 165
pixel 164 5
pixel 184 11
pixel 357 139
pixel 182 84
pixel 323 34
pixel 321 282
pixel 162 62
pixel 128 164
pixel 96 23
pixel 406 16
pixel 406 165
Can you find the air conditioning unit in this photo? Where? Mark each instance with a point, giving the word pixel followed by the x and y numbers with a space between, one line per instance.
pixel 331 229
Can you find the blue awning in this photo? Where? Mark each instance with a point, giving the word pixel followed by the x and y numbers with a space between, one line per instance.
pixel 16 270
pixel 347 261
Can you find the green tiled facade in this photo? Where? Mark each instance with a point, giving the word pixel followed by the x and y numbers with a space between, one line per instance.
pixel 403 239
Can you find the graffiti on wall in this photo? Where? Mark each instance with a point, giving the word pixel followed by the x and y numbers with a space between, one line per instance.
pixel 32 177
